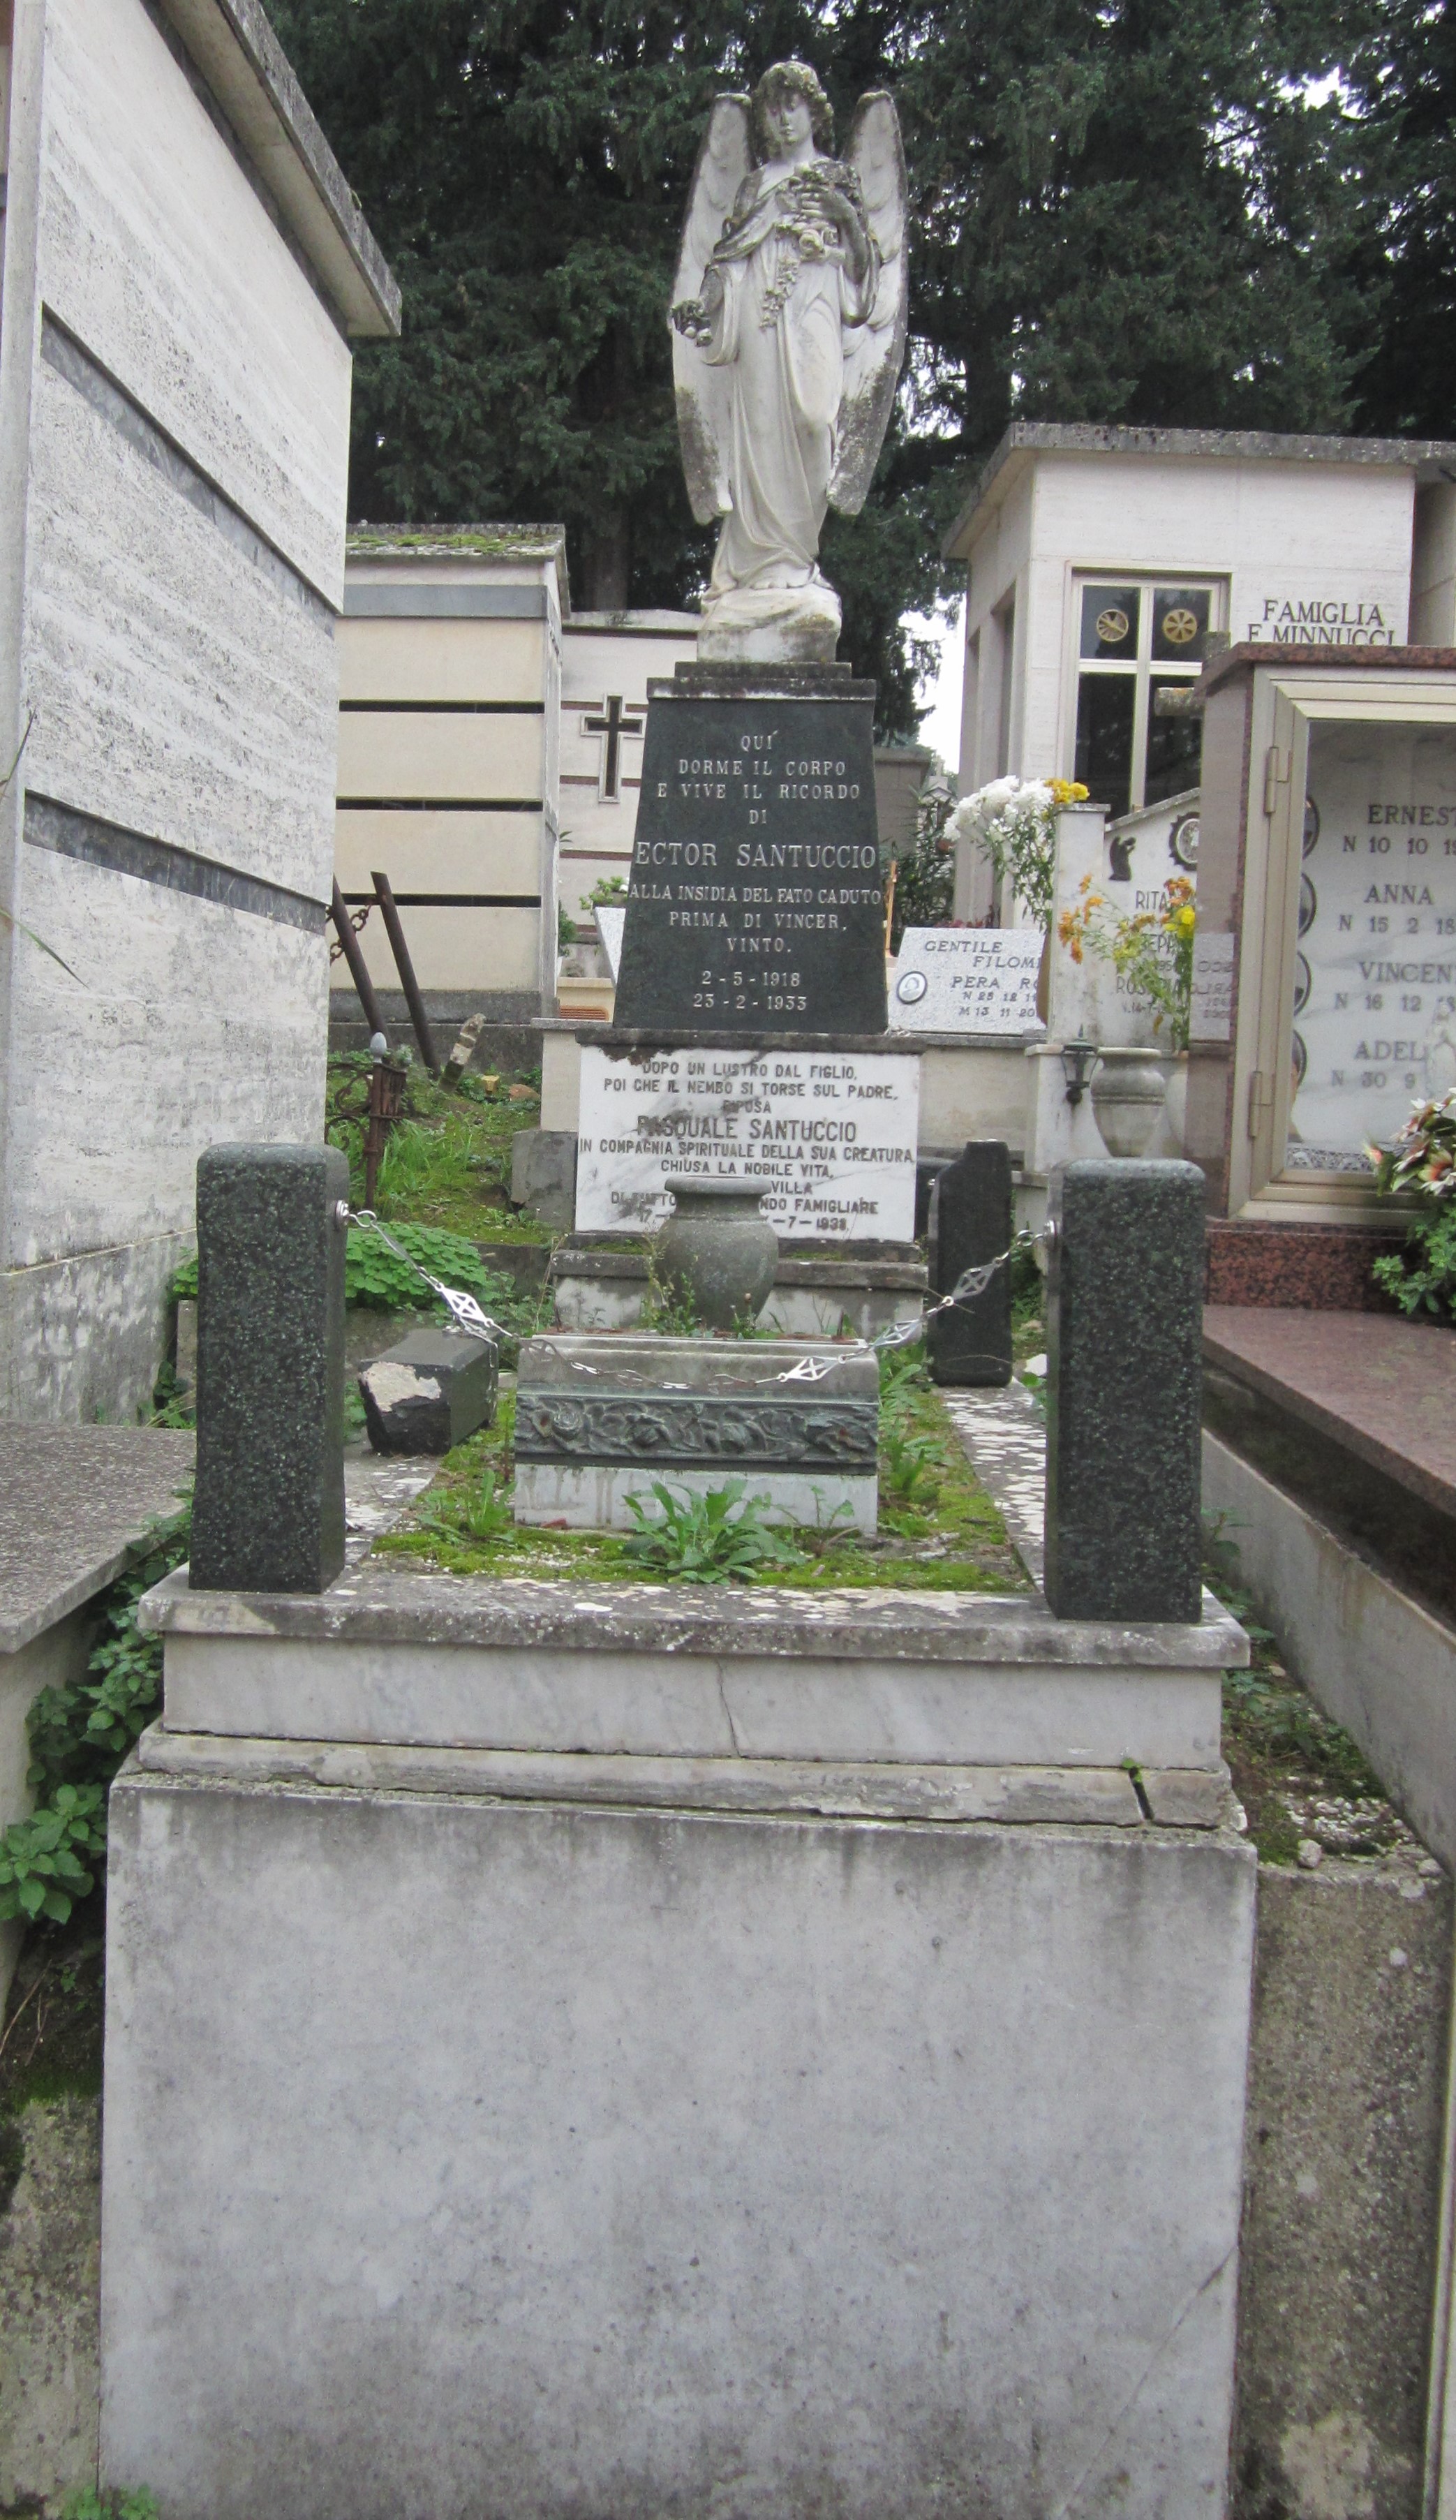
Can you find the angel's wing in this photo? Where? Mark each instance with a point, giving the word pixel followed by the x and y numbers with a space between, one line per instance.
pixel 704 406
pixel 874 351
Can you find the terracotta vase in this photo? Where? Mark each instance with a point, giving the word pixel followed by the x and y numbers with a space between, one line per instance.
pixel 718 1249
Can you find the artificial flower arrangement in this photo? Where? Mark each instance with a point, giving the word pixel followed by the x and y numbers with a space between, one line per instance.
pixel 1152 950
pixel 1422 1161
pixel 1015 821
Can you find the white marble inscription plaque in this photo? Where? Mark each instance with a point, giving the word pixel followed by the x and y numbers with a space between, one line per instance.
pixel 831 1139
pixel 1374 969
pixel 967 979
pixel 1213 987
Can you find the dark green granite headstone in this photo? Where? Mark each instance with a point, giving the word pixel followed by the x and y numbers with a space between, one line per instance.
pixel 1123 1392
pixel 268 1513
pixel 970 1222
pixel 755 901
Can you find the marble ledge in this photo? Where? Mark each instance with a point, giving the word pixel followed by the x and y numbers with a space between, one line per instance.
pixel 378 1604
pixel 792 1789
pixel 891 1044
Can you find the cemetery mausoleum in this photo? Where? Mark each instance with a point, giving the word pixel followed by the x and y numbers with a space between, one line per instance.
pixel 1101 561
pixel 185 268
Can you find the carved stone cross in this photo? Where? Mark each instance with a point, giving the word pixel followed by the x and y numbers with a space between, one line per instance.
pixel 613 723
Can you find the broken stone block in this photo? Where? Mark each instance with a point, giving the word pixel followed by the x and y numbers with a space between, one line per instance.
pixel 429 1392
pixel 465 1050
pixel 543 1174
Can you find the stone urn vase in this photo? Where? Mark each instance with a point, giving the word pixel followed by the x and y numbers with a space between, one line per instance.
pixel 719 1250
pixel 1128 1093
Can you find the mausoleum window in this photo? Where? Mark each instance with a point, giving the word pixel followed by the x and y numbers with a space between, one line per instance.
pixel 1134 638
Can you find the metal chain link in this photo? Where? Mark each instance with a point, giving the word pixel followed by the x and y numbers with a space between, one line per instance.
pixel 464 1309
pixel 467 1315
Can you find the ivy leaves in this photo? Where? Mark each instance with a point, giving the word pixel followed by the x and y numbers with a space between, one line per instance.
pixel 79 1736
pixel 42 1872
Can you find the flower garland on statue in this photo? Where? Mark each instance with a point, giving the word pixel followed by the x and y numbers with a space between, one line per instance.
pixel 1015 821
pixel 1152 951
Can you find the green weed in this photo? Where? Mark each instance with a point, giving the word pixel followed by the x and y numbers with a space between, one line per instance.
pixel 705 1539
pixel 118 2504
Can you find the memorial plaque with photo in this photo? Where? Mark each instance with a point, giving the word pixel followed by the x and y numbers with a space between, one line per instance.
pixel 1374 965
pixel 973 980
pixel 755 902
pixel 829 1138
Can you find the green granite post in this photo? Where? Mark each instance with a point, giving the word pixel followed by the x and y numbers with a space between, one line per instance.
pixel 971 1221
pixel 268 1513
pixel 1123 1393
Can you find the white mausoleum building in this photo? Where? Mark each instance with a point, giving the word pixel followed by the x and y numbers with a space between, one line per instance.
pixel 184 268
pixel 1101 561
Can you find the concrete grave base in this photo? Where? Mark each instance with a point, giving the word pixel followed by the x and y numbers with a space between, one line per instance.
pixel 592 1495
pixel 598 1290
pixel 470 2154
pixel 598 1419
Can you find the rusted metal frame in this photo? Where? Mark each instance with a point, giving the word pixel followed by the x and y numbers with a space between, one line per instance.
pixel 413 999
pixel 364 988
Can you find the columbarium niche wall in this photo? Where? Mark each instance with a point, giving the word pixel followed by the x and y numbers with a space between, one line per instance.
pixel 1325 961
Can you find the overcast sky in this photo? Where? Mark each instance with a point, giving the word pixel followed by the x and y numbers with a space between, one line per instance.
pixel 942 729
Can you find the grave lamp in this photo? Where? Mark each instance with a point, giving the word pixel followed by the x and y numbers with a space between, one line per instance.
pixel 1079 1059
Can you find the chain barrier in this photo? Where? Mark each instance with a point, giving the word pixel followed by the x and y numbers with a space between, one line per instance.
pixel 467 1315
pixel 464 1309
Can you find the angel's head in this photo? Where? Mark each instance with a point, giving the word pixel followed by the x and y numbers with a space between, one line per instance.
pixel 785 85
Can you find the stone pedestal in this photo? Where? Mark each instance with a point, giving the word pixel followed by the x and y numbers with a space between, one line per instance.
pixel 971 1223
pixel 268 1515
pixel 1124 1382
pixel 647 2050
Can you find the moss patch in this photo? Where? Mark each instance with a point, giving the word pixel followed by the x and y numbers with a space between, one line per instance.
pixel 52 2032
pixel 1299 1775
pixel 946 1537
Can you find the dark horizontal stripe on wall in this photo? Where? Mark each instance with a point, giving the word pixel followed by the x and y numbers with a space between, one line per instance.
pixel 445 708
pixel 439 804
pixel 453 900
pixel 62 351
pixel 435 603
pixel 71 833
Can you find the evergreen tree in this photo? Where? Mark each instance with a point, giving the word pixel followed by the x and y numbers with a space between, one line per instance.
pixel 1398 95
pixel 1125 210
pixel 1130 213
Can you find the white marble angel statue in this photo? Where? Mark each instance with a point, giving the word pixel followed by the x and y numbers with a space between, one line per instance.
pixel 791 316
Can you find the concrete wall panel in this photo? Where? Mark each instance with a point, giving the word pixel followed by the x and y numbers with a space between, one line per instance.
pixel 231 351
pixel 440 660
pixel 80 1340
pixel 188 1023
pixel 1380 1664
pixel 177 688
pixel 439 853
pixel 483 952
pixel 383 752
